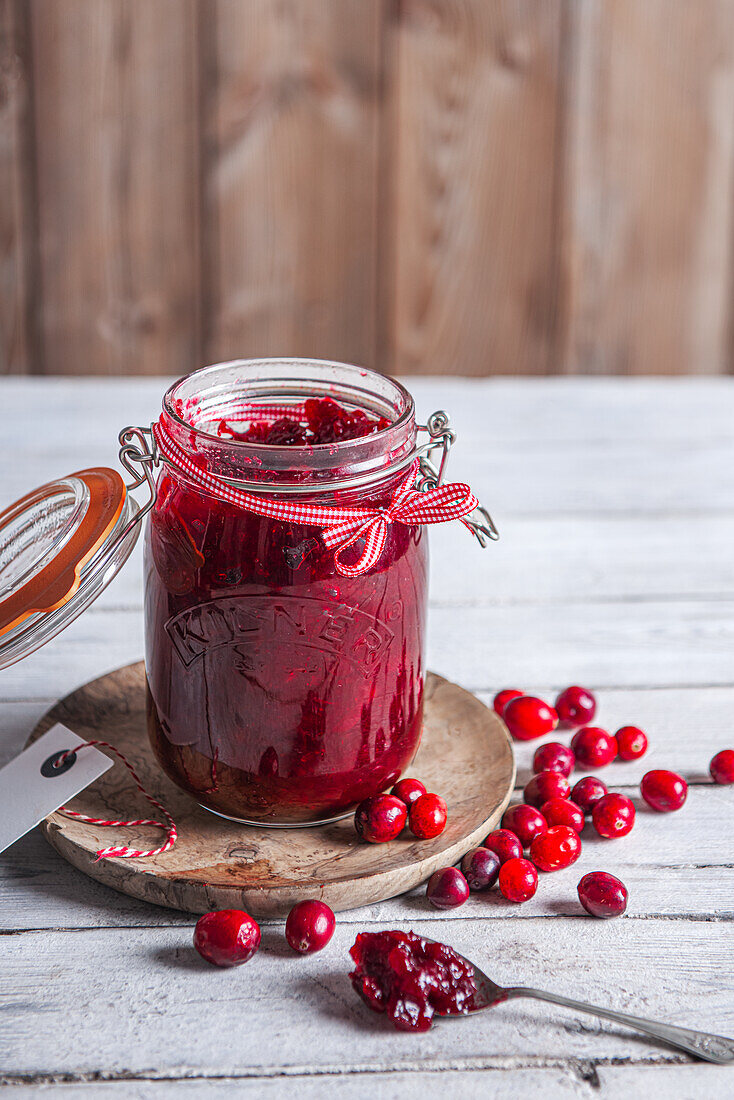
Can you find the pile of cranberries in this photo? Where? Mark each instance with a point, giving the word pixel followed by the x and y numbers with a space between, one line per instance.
pixel 383 817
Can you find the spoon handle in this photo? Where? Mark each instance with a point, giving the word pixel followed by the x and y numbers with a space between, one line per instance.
pixel 712 1048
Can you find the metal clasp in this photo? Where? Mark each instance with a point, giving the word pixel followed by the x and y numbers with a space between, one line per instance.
pixel 139 455
pixel 442 436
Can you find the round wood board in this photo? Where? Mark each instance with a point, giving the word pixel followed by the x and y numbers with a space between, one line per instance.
pixel 465 755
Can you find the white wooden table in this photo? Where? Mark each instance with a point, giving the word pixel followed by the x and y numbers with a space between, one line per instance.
pixel 615 500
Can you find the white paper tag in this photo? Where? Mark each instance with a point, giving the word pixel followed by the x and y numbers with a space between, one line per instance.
pixel 30 788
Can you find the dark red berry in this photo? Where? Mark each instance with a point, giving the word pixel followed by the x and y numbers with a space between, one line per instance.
pixel 546 785
pixel 588 791
pixel 593 747
pixel 407 790
pixel 518 880
pixel 504 844
pixel 525 822
pixel 663 790
pixel 602 895
pixel 380 818
pixel 481 867
pixel 310 926
pixel 227 937
pixel 631 743
pixel 287 433
pixel 613 815
pixel 554 757
pixel 427 816
pixel 447 888
pixel 562 811
pixel 528 717
pixel 722 767
pixel 556 849
pixel 502 698
pixel 575 706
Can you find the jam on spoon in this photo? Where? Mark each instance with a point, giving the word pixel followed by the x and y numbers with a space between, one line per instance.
pixel 410 978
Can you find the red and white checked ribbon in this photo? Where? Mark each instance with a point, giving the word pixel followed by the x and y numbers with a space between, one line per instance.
pixel 341 527
pixel 123 852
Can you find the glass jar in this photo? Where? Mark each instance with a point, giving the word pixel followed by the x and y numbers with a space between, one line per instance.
pixel 281 692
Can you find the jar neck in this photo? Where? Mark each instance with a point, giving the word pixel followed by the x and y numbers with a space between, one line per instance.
pixel 196 407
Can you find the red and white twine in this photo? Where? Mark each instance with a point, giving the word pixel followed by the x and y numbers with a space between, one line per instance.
pixel 169 826
pixel 340 527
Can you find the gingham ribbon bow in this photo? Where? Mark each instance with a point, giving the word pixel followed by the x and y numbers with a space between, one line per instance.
pixel 340 527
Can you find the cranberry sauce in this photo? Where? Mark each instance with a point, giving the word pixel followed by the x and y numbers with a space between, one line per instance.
pixel 410 978
pixel 279 690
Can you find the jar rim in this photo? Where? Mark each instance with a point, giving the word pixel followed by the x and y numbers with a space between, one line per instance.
pixel 271 380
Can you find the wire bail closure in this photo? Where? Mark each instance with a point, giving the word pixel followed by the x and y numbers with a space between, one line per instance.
pixel 140 454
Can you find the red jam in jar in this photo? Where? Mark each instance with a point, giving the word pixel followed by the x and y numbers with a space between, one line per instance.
pixel 280 691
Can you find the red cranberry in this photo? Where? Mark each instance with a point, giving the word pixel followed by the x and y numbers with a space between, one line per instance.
pixel 528 717
pixel 576 706
pixel 588 791
pixel 554 757
pixel 593 747
pixel 663 790
pixel 427 817
pixel 228 937
pixel 722 767
pixel 613 815
pixel 631 742
pixel 561 811
pixel 556 849
pixel 287 433
pixel 310 926
pixel 481 867
pixel 407 790
pixel 546 785
pixel 380 818
pixel 602 895
pixel 518 880
pixel 504 844
pixel 502 698
pixel 447 888
pixel 525 822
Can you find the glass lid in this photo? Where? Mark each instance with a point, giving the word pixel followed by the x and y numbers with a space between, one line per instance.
pixel 60 546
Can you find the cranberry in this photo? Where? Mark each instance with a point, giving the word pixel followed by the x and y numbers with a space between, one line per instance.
pixel 518 880
pixel 447 888
pixel 562 811
pixel 410 979
pixel 407 790
pixel 554 757
pixel 287 433
pixel 525 822
pixel 481 867
pixel 593 747
pixel 227 937
pixel 502 698
pixel 663 790
pixel 309 927
pixel 380 818
pixel 587 792
pixel 576 706
pixel 546 785
pixel 613 815
pixel 722 767
pixel 528 717
pixel 428 815
pixel 602 895
pixel 556 849
pixel 631 742
pixel 504 844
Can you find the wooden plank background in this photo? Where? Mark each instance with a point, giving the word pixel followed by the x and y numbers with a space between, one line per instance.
pixel 425 186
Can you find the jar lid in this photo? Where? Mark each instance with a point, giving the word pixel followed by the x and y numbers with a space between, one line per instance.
pixel 60 546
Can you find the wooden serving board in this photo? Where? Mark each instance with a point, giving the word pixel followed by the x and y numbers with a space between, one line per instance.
pixel 465 755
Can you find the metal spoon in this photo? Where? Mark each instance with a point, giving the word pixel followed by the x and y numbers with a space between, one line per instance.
pixel 712 1048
